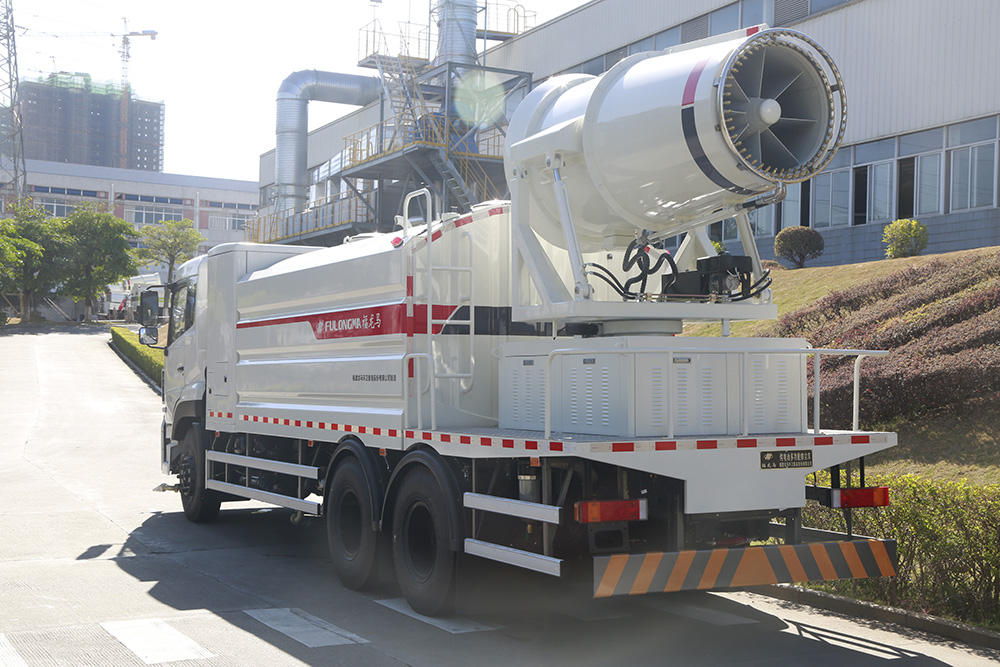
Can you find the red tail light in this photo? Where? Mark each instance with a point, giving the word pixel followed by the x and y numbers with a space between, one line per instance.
pixel 601 511
pixel 875 496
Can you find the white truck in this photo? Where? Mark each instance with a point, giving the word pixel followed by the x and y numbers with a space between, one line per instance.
pixel 510 383
pixel 135 286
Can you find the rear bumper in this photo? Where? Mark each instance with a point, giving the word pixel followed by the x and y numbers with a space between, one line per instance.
pixel 715 569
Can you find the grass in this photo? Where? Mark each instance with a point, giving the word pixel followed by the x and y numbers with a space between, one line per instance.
pixel 950 446
pixel 957 443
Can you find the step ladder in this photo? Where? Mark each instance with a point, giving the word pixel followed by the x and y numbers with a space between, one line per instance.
pixel 454 184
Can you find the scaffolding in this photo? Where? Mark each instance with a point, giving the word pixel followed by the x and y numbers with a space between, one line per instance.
pixel 441 126
pixel 68 117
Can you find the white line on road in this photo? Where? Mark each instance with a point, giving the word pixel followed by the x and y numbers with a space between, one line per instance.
pixel 154 641
pixel 456 625
pixel 304 628
pixel 9 656
pixel 695 612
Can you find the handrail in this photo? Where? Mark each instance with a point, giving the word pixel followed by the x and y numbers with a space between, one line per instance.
pixel 419 391
pixel 744 392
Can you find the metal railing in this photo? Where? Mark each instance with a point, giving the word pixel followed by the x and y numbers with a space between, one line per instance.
pixel 322 214
pixel 745 391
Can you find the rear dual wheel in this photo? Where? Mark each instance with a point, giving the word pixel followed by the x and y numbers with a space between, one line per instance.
pixel 424 561
pixel 350 533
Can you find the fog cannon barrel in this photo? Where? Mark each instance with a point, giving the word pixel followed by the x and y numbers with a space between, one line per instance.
pixel 669 141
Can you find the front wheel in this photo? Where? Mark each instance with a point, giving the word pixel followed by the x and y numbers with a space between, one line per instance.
pixel 200 505
pixel 424 562
pixel 353 541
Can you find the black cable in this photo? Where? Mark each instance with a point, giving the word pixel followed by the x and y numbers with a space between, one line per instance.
pixel 608 281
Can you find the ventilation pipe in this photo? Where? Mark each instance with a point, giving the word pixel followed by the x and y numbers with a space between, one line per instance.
pixel 456 26
pixel 294 95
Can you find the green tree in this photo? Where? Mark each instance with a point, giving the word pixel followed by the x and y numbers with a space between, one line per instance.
pixel 30 254
pixel 904 238
pixel 798 244
pixel 97 254
pixel 172 242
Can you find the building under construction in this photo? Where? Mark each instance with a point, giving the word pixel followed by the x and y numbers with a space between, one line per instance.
pixel 71 119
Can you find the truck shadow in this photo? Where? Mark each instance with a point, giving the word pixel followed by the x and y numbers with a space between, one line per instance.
pixel 253 558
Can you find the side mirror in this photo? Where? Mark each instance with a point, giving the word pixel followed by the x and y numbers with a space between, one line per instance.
pixel 148 335
pixel 149 309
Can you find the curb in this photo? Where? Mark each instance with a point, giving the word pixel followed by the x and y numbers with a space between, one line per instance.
pixel 876 612
pixel 135 368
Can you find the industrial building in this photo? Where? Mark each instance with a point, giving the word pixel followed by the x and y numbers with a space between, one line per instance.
pixel 219 207
pixel 68 117
pixel 921 139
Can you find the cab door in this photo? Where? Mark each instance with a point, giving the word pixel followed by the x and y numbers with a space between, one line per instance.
pixel 181 374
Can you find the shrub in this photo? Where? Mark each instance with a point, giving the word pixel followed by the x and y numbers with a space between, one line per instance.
pixel 904 238
pixel 771 265
pixel 941 323
pixel 948 546
pixel 150 360
pixel 798 245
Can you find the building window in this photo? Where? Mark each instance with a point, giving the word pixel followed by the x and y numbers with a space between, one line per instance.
pixel 232 221
pixel 761 224
pixel 973 166
pixel 972 176
pixel 874 183
pixel 752 13
pixel 920 175
pixel 643 45
pixel 148 215
pixel 831 194
pixel 668 38
pixel 594 66
pixel 794 209
pixel 725 19
pixel 57 208
pixel 612 58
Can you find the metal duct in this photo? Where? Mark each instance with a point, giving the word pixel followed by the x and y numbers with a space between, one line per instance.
pixel 456 26
pixel 294 94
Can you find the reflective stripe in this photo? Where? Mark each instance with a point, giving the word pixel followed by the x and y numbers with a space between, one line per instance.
pixel 637 574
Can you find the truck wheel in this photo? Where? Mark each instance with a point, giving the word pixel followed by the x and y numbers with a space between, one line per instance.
pixel 200 504
pixel 353 542
pixel 425 565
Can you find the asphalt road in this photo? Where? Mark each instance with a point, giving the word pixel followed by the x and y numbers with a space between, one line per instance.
pixel 96 569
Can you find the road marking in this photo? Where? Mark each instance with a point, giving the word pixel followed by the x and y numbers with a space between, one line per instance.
pixel 695 612
pixel 153 641
pixel 304 628
pixel 9 657
pixel 456 625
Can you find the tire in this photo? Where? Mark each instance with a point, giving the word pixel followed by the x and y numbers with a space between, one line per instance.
pixel 424 562
pixel 353 542
pixel 200 505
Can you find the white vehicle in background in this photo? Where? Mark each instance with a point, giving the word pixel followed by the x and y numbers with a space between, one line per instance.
pixel 509 383
pixel 135 286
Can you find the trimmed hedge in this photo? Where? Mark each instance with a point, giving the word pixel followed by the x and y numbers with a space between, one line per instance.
pixel 948 547
pixel 150 360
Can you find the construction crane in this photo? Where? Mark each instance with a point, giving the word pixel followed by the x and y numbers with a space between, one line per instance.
pixel 126 93
pixel 125 51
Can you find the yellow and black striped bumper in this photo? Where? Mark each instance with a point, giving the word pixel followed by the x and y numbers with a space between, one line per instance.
pixel 637 574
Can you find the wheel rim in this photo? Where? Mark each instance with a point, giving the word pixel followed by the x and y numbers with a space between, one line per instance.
pixel 185 476
pixel 349 523
pixel 420 541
